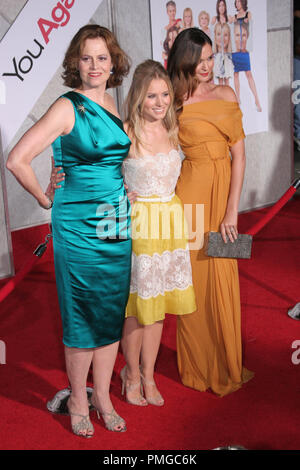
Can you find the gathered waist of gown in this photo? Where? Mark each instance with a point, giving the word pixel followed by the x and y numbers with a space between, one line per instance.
pixel 206 152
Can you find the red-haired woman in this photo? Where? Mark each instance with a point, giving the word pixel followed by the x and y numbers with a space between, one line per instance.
pixel 92 262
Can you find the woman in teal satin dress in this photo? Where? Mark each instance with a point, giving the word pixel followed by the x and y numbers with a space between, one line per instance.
pixel 90 216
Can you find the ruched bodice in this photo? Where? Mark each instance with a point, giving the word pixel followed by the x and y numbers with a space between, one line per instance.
pixel 97 157
pixel 207 129
pixel 152 174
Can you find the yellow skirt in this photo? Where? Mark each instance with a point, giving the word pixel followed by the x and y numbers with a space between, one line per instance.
pixel 161 274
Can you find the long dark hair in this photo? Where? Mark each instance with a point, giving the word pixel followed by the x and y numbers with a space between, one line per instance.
pixel 183 59
pixel 218 13
pixel 244 4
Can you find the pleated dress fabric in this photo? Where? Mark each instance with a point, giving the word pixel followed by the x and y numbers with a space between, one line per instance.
pixel 91 227
pixel 161 277
pixel 209 346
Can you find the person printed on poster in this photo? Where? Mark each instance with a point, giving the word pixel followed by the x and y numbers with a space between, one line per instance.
pixel 238 31
pixel 241 58
pixel 168 43
pixel 203 21
pixel 187 19
pixel 223 69
pixel 176 23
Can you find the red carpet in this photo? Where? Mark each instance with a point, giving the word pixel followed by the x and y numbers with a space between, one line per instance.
pixel 264 414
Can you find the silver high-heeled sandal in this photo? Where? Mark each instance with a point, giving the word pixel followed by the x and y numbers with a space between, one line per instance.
pixel 83 425
pixel 113 420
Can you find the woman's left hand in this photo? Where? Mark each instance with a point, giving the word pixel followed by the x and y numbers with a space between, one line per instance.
pixel 228 227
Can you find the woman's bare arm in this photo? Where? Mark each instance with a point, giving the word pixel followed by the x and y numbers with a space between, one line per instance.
pixel 58 120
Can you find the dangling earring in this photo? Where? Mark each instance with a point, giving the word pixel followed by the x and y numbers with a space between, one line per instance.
pixel 111 71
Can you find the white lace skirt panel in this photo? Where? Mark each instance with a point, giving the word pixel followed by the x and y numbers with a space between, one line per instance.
pixel 154 275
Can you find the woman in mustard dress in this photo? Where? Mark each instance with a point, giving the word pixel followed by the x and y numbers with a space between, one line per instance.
pixel 209 343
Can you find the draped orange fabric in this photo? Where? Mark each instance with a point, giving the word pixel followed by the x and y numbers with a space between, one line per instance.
pixel 209 347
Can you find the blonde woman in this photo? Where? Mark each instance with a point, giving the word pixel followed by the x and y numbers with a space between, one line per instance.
pixel 223 68
pixel 161 280
pixel 187 19
pixel 203 20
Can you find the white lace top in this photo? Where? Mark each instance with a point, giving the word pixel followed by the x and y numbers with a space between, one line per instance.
pixel 150 175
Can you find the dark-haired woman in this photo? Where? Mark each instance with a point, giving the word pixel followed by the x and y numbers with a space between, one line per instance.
pixel 242 11
pixel 168 42
pixel 90 216
pixel 221 16
pixel 210 129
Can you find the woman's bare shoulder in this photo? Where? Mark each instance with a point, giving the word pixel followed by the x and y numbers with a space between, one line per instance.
pixel 226 93
pixel 61 106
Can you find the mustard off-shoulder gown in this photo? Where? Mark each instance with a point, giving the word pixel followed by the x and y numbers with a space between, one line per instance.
pixel 209 347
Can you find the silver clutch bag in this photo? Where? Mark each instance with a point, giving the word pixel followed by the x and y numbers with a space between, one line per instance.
pixel 215 246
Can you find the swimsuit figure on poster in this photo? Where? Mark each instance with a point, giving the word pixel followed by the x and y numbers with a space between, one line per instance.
pixel 175 25
pixel 242 12
pixel 168 43
pixel 187 19
pixel 241 58
pixel 203 20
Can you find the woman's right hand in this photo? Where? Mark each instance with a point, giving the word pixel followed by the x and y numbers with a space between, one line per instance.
pixel 132 195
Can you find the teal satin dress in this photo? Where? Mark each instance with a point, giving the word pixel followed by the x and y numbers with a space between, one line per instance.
pixel 91 227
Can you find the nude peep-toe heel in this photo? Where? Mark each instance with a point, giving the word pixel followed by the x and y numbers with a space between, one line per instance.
pixel 157 399
pixel 138 401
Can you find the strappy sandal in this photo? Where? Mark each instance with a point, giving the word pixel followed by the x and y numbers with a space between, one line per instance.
pixel 157 399
pixel 140 400
pixel 83 425
pixel 113 420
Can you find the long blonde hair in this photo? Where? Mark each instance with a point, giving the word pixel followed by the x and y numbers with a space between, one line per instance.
pixel 143 75
pixel 223 27
pixel 187 10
